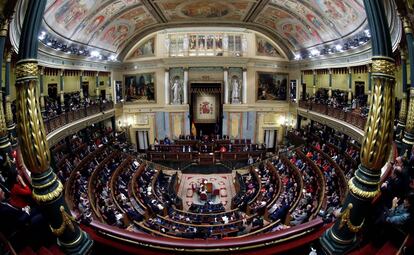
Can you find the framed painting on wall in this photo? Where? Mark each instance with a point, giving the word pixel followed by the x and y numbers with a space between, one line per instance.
pixel 271 86
pixel 140 87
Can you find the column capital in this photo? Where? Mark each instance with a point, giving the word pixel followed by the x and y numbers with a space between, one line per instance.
pixel 97 73
pixel 82 72
pixel 330 70
pixel 407 25
pixel 403 54
pixel 349 69
pixel 9 54
pixel 369 66
pixel 41 70
pixel 167 69
pixel 4 28
pixel 244 69
pixel 185 68
pixel 62 72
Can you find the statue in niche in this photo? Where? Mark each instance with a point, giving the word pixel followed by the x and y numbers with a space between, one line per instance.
pixel 235 90
pixel 176 90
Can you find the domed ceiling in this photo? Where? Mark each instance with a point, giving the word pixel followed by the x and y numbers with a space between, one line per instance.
pixel 115 25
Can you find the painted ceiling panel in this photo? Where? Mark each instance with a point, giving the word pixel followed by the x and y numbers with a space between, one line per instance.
pixel 110 24
pixel 178 10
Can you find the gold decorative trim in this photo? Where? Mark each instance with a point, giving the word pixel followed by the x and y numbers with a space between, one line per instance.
pixel 410 113
pixel 364 181
pixel 67 221
pixel 28 68
pixel 384 66
pixel 3 126
pixel 9 112
pixel 407 25
pixel 346 220
pixel 407 141
pixel 9 55
pixel 403 109
pixel 49 196
pixel 46 184
pixel 74 242
pixel 4 28
pixel 30 126
pixel 362 193
pixel 339 240
pixel 379 126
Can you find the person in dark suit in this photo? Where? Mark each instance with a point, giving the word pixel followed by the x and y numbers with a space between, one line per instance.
pixel 22 224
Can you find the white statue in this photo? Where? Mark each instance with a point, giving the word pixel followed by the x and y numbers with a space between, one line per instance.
pixel 235 90
pixel 176 89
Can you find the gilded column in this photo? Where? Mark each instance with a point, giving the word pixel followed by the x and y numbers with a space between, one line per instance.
pixel 42 87
pixel 244 86
pixel 167 86
pixel 185 85
pixel 349 85
pixel 369 85
pixel 61 88
pixel 408 138
pixel 226 85
pixel 314 83
pixel 330 83
pixel 377 141
pixel 97 85
pixel 47 189
pixel 402 117
pixel 3 35
pixel 8 168
pixel 11 126
pixel 80 86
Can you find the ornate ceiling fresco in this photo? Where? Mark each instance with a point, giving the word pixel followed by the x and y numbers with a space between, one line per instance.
pixel 115 25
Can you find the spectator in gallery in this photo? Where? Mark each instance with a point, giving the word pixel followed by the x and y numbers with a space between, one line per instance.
pixel 20 194
pixel 402 214
pixel 167 140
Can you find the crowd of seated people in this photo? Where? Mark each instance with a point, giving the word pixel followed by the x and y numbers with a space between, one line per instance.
pixel 339 100
pixel 72 102
pixel 280 210
pixel 81 179
pixel 249 185
pixel 309 201
pixel 111 214
pixel 207 207
pixel 145 190
pixel 331 179
pixel 268 188
pixel 206 218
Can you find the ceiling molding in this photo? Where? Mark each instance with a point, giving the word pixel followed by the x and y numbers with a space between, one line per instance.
pixel 155 10
pixel 255 10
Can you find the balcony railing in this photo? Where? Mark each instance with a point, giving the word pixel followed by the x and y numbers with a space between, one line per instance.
pixel 65 118
pixel 352 118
